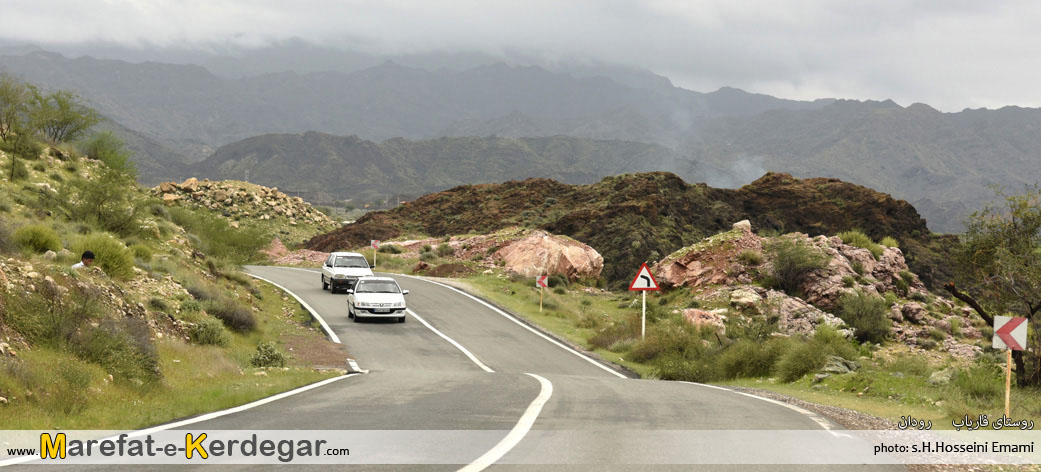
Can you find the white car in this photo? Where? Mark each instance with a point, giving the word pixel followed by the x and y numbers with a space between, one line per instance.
pixel 343 269
pixel 376 297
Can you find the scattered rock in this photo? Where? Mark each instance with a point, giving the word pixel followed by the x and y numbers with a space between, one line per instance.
pixel 743 225
pixel 744 298
pixel 260 373
pixel 795 316
pixel 190 185
pixel 914 312
pixel 961 350
pixel 420 267
pixel 839 365
pixel 50 255
pixel 3 400
pixel 820 378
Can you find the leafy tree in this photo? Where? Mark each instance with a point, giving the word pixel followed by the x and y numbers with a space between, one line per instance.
pixel 22 146
pixel 14 97
pixel 108 148
pixel 1000 263
pixel 104 200
pixel 59 115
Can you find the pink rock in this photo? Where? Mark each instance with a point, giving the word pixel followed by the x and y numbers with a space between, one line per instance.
pixel 701 318
pixel 542 253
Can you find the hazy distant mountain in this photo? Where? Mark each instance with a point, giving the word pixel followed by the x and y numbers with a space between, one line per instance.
pixel 324 167
pixel 190 108
pixel 178 114
pixel 943 163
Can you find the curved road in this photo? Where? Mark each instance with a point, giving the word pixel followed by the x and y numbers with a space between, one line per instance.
pixel 594 418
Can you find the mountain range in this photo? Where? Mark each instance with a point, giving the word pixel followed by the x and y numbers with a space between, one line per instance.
pixel 435 127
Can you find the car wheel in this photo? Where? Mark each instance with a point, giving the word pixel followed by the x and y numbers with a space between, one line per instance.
pixel 350 312
pixel 325 286
pixel 401 319
pixel 357 319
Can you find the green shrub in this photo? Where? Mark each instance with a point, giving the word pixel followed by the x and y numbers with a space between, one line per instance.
pixel 560 291
pixel 210 331
pixel 391 249
pixel 937 335
pixel 56 177
pixel 956 326
pixel 142 252
pixel 848 281
pixel 122 347
pixel 792 261
pixel 108 148
pixel 910 365
pixel 267 355
pixel 750 257
pixel 980 383
pixel 104 199
pixel 217 238
pixel 190 306
pixel 37 239
pixel 158 304
pixel 39 167
pixel 891 298
pixel 444 250
pixel 109 253
pixel 861 240
pixel 557 280
pixel 7 243
pixel 858 268
pixel 811 355
pixel 234 315
pixel 800 360
pixel 16 170
pixel 426 248
pixel 867 314
pixel 748 358
pixel 889 241
pixel 427 257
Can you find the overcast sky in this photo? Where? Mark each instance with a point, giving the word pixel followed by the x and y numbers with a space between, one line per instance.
pixel 951 54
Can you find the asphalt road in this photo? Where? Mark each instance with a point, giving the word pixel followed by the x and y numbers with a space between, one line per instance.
pixel 417 380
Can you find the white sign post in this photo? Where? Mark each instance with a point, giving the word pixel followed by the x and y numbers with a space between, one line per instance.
pixel 375 243
pixel 644 282
pixel 541 283
pixel 1010 334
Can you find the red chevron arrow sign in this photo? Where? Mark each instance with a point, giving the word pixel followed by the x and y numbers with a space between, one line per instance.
pixel 1010 332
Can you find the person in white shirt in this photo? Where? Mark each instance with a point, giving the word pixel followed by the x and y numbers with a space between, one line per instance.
pixel 85 260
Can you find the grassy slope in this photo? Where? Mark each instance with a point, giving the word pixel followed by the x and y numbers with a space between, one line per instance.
pixel 48 386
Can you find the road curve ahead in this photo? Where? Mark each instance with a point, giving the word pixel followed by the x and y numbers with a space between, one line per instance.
pixel 604 408
pixel 460 365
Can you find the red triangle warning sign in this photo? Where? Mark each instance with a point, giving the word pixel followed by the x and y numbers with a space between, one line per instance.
pixel 644 280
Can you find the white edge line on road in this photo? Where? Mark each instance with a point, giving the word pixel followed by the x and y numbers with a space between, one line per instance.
pixel 451 341
pixel 205 417
pixel 328 331
pixel 829 426
pixel 519 430
pixel 521 324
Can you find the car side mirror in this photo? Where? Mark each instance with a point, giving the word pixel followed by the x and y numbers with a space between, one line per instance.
pixel 372 266
pixel 327 264
pixel 350 291
pixel 404 292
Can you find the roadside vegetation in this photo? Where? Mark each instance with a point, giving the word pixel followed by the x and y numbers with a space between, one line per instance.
pixel 871 371
pixel 163 325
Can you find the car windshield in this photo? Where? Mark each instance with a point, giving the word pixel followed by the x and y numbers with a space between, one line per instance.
pixel 378 287
pixel 351 261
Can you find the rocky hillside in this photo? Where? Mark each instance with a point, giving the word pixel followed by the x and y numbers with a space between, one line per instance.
pixel 238 201
pixel 734 270
pixel 643 217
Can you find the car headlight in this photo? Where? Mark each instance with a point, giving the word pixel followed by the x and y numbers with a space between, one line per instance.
pixel 339 276
pixel 364 305
pixel 399 305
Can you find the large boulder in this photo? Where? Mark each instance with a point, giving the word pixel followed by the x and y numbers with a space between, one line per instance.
pixel 702 318
pixel 190 185
pixel 713 261
pixel 541 253
pixel 795 316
